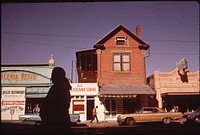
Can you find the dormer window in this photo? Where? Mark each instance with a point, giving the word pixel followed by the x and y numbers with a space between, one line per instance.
pixel 120 40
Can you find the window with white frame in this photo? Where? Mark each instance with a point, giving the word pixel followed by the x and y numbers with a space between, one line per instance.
pixel 121 61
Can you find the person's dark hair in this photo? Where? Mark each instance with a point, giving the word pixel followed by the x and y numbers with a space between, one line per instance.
pixel 58 75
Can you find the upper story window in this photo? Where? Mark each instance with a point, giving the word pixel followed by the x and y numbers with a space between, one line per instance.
pixel 88 62
pixel 121 40
pixel 121 62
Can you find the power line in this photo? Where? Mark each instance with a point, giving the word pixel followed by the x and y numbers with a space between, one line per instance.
pixel 56 45
pixel 174 53
pixel 70 36
pixel 51 35
pixel 171 40
pixel 44 44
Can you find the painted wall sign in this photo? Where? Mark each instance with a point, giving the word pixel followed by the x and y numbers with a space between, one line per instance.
pixel 12 102
pixel 22 77
pixel 15 76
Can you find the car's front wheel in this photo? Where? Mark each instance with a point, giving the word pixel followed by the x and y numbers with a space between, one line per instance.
pixel 130 121
pixel 166 120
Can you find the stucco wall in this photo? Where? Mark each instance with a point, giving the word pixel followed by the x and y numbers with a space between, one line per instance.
pixel 170 82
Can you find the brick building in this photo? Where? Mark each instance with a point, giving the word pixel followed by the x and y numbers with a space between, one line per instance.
pixel 117 64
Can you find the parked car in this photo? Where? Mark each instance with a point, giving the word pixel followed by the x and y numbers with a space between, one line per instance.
pixel 35 117
pixel 149 114
pixel 193 116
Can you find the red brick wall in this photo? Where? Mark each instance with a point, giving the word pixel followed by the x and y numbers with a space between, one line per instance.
pixel 137 73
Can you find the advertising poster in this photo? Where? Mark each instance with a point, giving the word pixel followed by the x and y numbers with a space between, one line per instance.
pixel 12 102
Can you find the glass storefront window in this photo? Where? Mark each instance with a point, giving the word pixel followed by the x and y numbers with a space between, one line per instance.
pixel 111 106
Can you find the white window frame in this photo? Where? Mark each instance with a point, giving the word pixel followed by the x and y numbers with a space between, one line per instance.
pixel 121 61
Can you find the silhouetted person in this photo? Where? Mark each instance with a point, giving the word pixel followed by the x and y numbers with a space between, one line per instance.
pixel 55 108
pixel 94 114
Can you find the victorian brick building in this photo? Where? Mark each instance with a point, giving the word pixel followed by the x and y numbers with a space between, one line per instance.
pixel 117 64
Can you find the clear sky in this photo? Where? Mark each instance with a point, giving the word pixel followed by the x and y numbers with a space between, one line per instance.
pixel 30 32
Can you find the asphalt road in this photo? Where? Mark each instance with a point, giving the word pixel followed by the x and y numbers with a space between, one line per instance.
pixel 84 129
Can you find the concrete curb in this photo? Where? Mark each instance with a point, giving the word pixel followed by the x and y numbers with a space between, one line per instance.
pixel 101 124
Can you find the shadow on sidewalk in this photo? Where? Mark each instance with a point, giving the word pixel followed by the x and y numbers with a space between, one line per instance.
pixel 102 124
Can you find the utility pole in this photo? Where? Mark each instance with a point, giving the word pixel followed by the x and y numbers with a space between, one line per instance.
pixel 72 72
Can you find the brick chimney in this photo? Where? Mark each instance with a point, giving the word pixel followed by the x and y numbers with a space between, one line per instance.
pixel 138 30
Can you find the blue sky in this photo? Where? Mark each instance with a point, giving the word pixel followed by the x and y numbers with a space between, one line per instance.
pixel 30 32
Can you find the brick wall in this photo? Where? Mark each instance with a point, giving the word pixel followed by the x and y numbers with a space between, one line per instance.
pixel 137 73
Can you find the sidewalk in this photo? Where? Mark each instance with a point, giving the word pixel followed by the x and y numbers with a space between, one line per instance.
pixel 110 123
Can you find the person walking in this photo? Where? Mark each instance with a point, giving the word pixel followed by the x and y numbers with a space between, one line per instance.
pixel 94 114
pixel 54 111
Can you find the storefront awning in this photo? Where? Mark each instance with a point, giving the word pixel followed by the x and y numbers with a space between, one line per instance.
pixel 125 90
pixel 180 93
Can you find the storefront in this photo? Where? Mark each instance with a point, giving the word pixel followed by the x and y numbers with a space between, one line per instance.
pixel 110 99
pixel 125 98
pixel 184 101
pixel 175 90
pixel 22 88
pixel 84 96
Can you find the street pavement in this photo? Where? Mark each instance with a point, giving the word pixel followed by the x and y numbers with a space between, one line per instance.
pixel 105 128
pixel 26 127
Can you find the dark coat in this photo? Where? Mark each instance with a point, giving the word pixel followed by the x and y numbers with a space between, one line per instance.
pixel 55 107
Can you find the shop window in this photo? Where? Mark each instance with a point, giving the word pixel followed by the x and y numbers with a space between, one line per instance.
pixel 111 106
pixel 33 105
pixel 107 105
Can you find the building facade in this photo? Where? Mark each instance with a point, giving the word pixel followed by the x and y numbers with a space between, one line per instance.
pixel 84 96
pixel 177 88
pixel 117 65
pixel 23 86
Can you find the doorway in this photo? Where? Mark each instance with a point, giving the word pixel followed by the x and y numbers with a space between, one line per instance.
pixel 90 106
